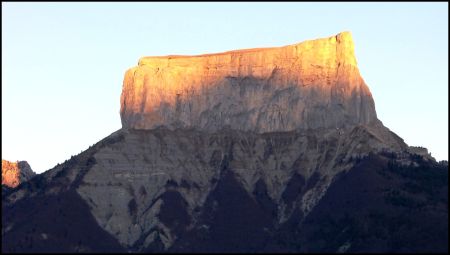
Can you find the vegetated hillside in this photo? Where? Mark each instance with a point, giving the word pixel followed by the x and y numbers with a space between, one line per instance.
pixel 377 205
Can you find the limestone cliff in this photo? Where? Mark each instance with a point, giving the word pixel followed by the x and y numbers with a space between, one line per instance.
pixel 14 173
pixel 312 84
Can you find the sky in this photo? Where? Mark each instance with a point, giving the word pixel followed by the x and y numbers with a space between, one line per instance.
pixel 63 63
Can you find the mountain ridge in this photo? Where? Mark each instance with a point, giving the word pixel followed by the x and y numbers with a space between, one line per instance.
pixel 132 191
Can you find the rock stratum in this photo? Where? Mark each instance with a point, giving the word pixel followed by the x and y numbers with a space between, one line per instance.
pixel 14 173
pixel 313 84
pixel 200 172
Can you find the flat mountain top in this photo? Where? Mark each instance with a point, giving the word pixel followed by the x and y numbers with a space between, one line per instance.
pixel 313 84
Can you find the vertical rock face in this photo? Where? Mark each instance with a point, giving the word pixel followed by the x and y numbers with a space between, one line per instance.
pixel 312 84
pixel 14 173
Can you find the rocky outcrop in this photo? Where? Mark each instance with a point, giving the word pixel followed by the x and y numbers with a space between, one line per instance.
pixel 313 84
pixel 14 173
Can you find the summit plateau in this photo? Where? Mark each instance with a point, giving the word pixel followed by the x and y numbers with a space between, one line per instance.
pixel 313 84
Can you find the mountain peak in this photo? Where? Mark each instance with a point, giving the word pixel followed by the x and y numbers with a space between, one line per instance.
pixel 345 39
pixel 313 84
pixel 345 36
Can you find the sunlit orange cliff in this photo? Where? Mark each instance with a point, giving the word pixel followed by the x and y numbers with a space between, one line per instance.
pixel 14 173
pixel 312 84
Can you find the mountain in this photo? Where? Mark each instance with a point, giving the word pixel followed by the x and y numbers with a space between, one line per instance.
pixel 14 173
pixel 222 169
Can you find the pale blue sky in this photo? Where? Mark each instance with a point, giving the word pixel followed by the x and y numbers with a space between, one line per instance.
pixel 63 63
